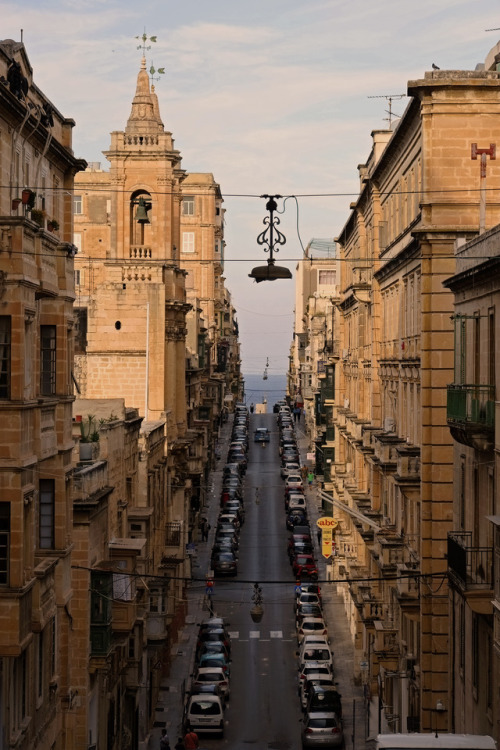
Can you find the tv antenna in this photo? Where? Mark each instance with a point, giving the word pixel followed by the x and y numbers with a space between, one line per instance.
pixel 389 98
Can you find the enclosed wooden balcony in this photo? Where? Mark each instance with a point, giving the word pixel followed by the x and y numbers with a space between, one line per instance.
pixel 470 412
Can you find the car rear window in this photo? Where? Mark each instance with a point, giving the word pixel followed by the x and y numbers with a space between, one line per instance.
pixel 204 707
pixel 326 723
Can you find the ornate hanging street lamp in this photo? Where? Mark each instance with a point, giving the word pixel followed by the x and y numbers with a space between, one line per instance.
pixel 270 237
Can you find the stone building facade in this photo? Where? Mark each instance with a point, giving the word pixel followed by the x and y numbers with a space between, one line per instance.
pixel 392 484
pixel 474 540
pixel 36 394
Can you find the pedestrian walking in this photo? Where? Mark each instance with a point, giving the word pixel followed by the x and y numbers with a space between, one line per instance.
pixel 310 478
pixel 179 745
pixel 191 740
pixel 164 742
pixel 251 408
pixel 205 528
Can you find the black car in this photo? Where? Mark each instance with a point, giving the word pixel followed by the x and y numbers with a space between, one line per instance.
pixel 324 699
pixel 295 518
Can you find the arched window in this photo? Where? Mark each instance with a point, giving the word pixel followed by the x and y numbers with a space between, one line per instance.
pixel 140 218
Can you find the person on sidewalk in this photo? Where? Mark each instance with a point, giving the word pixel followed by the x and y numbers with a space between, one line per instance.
pixel 191 740
pixel 310 478
pixel 205 528
pixel 179 745
pixel 164 743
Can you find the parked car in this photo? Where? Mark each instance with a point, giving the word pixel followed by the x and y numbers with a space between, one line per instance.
pixel 304 566
pixel 205 714
pixel 237 508
pixel 214 635
pixel 309 587
pixel 238 457
pixel 313 678
pixel 300 547
pixel 308 610
pixel 213 647
pixel 226 517
pixel 319 654
pixel 296 501
pixel 225 563
pixel 209 659
pixel 324 699
pixel 310 668
pixel 322 730
pixel 214 675
pixel 261 435
pixel 293 480
pixel 297 517
pixel 311 625
pixel 291 467
pixel 306 597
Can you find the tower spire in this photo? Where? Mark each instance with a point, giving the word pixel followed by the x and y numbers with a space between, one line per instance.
pixel 143 118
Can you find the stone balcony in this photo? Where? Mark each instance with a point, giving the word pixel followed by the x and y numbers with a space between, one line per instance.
pixel 389 551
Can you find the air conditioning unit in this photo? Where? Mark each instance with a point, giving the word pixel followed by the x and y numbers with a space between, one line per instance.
pixel 389 424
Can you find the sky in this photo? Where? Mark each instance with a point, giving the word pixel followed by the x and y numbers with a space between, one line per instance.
pixel 276 97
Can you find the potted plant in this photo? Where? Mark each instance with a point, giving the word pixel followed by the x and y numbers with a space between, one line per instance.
pixel 53 225
pixel 89 434
pixel 38 216
pixel 28 197
pixel 15 203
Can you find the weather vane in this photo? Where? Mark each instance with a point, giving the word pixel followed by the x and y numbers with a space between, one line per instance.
pixel 154 73
pixel 145 38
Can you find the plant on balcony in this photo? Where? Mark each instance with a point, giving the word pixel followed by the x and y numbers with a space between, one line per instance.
pixel 28 197
pixel 52 225
pixel 38 216
pixel 89 430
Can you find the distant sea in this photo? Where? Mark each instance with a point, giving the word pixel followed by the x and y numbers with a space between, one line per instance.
pixel 257 389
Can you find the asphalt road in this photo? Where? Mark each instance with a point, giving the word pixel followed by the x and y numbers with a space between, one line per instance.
pixel 263 711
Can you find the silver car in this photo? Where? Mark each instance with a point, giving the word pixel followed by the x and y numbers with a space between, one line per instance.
pixel 322 730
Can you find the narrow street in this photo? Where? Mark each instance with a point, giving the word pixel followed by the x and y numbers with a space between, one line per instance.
pixel 264 710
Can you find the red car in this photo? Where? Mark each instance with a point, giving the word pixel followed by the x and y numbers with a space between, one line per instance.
pixel 304 565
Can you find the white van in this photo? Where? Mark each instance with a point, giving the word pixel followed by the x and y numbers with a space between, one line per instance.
pixel 205 714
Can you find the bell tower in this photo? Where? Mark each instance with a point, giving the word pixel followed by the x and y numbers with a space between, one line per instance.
pixel 145 169
pixel 133 287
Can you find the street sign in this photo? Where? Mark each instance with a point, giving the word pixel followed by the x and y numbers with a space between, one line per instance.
pixel 326 544
pixel 327 523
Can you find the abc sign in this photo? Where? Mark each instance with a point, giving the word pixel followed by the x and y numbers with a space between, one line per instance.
pixel 327 523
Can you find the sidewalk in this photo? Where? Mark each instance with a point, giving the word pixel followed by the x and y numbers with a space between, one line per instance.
pixel 170 703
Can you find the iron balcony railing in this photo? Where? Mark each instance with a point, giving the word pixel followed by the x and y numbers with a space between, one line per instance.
pixel 471 405
pixel 473 566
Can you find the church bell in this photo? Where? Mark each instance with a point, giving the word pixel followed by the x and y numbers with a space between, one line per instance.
pixel 141 215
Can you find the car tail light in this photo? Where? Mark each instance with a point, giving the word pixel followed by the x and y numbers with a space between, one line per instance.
pixel 336 730
pixel 309 731
pixel 223 683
